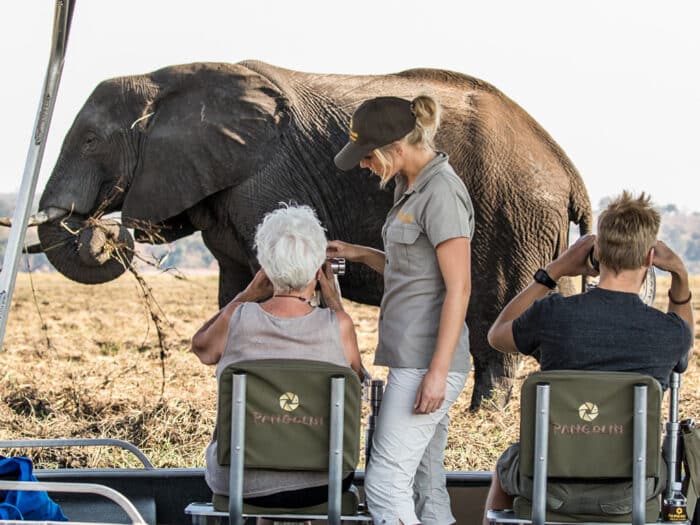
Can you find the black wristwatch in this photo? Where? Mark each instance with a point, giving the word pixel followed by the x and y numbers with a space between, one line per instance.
pixel 541 276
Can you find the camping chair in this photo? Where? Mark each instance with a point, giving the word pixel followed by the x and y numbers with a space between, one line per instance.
pixel 291 415
pixel 587 433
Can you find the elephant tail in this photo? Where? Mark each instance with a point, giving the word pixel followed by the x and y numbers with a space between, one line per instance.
pixel 580 211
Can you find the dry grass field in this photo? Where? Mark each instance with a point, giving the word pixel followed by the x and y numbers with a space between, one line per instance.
pixel 85 361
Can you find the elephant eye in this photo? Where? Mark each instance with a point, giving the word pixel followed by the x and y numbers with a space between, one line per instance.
pixel 89 143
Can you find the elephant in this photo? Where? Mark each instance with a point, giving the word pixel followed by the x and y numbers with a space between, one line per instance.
pixel 214 146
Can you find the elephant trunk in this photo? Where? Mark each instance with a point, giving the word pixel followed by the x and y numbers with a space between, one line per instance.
pixel 87 250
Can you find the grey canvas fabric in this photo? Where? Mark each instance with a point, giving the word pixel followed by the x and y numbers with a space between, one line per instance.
pixel 572 497
pixel 436 208
pixel 255 334
pixel 604 330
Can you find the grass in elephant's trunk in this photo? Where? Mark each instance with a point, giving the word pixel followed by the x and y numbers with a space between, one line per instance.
pixel 102 376
pixel 118 250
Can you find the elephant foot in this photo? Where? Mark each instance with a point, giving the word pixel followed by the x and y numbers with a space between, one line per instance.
pixel 495 394
pixel 493 382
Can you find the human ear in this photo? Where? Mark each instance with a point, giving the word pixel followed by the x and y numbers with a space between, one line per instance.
pixel 649 260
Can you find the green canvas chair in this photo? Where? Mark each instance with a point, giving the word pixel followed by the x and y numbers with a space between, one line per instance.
pixel 584 435
pixel 287 415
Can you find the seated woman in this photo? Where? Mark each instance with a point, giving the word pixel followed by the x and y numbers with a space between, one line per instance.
pixel 273 318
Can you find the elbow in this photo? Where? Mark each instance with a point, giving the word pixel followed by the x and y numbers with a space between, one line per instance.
pixel 462 291
pixel 196 345
pixel 200 350
pixel 491 337
pixel 494 339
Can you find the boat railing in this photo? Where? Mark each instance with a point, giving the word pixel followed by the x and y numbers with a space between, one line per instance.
pixel 78 488
pixel 78 442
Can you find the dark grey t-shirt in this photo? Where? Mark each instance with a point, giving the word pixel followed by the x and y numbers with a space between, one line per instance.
pixel 604 330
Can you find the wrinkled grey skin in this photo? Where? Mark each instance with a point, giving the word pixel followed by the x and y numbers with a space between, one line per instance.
pixel 219 145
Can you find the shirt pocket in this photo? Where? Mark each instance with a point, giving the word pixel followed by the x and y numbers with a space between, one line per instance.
pixel 403 249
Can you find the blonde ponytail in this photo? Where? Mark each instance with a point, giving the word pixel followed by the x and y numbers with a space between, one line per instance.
pixel 427 112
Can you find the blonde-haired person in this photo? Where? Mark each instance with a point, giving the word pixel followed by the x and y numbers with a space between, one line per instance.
pixel 607 328
pixel 423 337
pixel 273 319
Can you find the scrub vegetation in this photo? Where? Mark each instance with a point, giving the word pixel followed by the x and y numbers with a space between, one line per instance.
pixel 85 361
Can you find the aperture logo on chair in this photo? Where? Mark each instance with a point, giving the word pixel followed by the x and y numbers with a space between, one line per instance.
pixel 289 401
pixel 588 411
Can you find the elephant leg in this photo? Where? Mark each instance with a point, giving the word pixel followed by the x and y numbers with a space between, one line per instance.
pixel 493 376
pixel 236 268
pixel 233 277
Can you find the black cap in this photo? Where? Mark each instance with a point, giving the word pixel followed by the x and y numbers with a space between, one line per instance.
pixel 375 123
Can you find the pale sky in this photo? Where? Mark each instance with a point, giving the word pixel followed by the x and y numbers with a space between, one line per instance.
pixel 616 83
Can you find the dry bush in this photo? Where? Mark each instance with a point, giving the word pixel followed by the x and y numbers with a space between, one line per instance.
pixel 89 366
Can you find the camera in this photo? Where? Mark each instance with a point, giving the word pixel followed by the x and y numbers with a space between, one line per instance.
pixel 593 261
pixel 337 265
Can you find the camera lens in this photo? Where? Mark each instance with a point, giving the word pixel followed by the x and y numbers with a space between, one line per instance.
pixel 338 266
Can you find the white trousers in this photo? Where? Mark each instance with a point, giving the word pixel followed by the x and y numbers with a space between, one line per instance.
pixel 405 478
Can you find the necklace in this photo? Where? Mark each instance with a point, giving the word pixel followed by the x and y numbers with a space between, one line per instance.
pixel 302 299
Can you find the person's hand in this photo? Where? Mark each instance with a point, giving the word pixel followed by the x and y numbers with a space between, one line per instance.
pixel 574 261
pixel 666 259
pixel 329 289
pixel 259 289
pixel 351 252
pixel 431 392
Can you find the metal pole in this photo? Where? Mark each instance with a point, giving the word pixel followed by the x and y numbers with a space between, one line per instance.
pixel 639 463
pixel 235 487
pixel 335 450
pixel 539 482
pixel 61 26
pixel 673 435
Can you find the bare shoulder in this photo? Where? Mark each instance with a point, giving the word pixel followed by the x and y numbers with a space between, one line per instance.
pixel 344 320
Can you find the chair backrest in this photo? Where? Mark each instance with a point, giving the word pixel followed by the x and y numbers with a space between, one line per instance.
pixel 287 414
pixel 591 424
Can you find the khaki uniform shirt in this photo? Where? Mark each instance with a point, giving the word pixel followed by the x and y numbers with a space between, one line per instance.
pixel 435 209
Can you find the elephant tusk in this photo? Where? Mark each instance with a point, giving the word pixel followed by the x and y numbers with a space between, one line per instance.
pixel 141 118
pixel 46 215
pixel 41 217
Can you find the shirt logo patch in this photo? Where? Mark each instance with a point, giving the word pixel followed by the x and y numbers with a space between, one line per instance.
pixel 405 218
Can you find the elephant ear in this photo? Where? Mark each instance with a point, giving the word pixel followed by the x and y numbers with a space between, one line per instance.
pixel 212 127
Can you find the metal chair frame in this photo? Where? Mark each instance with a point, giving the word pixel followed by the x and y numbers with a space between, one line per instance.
pixel 639 445
pixel 201 511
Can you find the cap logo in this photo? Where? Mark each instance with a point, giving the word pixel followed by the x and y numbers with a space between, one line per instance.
pixel 353 134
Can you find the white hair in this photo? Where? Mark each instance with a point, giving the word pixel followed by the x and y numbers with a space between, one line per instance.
pixel 291 246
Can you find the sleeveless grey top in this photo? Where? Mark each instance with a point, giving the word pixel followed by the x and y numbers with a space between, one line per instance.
pixel 255 334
